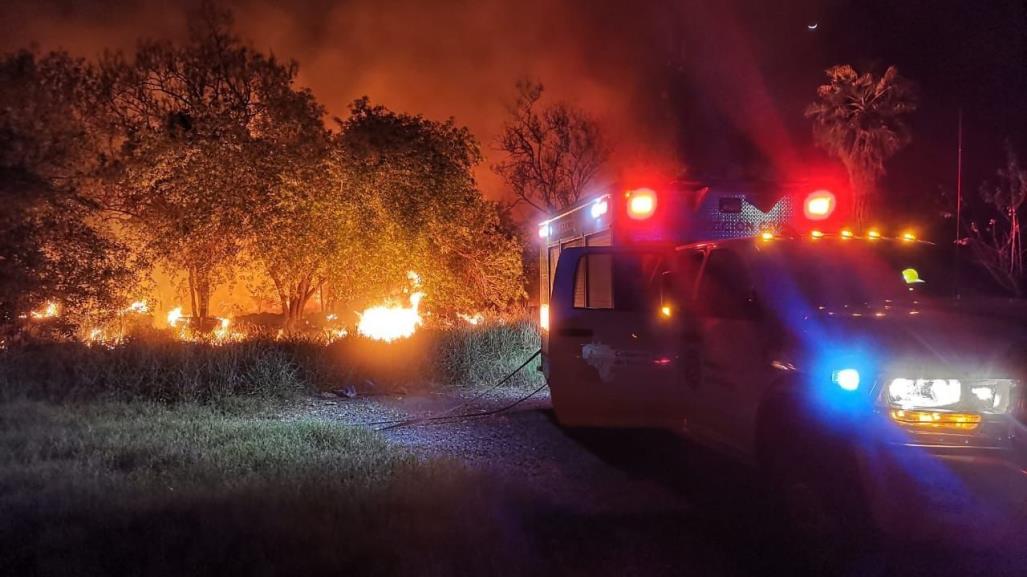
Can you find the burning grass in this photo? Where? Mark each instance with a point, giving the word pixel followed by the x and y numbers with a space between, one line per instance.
pixel 157 366
pixel 140 488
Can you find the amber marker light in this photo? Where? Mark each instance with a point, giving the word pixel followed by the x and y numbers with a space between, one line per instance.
pixel 936 420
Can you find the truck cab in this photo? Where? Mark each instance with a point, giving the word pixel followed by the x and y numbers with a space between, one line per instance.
pixel 790 350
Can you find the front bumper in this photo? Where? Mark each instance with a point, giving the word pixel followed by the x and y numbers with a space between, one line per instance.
pixel 973 495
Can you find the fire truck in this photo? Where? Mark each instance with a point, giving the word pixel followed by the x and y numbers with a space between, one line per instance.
pixel 849 365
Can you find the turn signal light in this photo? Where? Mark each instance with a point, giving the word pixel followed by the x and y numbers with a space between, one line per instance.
pixel 641 203
pixel 936 420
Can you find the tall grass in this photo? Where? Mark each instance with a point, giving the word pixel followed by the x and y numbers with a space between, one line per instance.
pixel 162 369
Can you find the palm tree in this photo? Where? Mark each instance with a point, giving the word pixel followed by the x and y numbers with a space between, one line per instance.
pixel 860 119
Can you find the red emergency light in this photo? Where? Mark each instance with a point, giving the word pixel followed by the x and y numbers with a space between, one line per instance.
pixel 641 203
pixel 819 205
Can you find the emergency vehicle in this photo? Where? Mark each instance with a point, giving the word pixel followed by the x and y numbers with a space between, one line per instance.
pixel 751 320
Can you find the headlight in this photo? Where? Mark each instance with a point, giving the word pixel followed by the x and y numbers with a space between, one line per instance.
pixel 978 395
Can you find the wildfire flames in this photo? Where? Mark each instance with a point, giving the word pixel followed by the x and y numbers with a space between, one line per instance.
pixel 174 315
pixel 388 323
pixel 49 311
pixel 141 307
pixel 473 320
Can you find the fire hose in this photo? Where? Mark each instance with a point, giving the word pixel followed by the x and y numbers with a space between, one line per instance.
pixel 448 416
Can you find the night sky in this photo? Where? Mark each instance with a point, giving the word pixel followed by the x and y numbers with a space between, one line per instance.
pixel 710 85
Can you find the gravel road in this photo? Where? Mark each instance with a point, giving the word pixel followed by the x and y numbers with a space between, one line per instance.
pixel 626 502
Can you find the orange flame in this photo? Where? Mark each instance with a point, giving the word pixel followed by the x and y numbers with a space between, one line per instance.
pixel 388 323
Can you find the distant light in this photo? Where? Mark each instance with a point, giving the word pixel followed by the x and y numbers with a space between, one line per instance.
pixel 543 231
pixel 665 310
pixel 641 203
pixel 599 208
pixel 908 236
pixel 813 25
pixel 847 379
pixel 873 234
pixel 661 361
pixel 819 204
pixel 846 233
pixel 817 234
pixel 767 235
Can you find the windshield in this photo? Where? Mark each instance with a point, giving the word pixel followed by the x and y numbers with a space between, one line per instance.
pixel 835 272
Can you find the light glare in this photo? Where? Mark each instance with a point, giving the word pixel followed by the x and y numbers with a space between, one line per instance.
pixel 641 203
pixel 847 379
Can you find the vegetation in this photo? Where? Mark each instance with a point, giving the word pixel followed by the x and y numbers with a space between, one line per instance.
pixel 54 243
pixel 552 152
pixel 159 368
pixel 861 120
pixel 205 158
pixel 998 242
pixel 110 489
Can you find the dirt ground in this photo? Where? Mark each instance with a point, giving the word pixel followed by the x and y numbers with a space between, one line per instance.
pixel 630 502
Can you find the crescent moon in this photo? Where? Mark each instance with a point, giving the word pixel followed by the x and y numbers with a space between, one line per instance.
pixel 813 26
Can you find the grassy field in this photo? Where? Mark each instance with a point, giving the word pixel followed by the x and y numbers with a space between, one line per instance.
pixel 139 488
pixel 162 457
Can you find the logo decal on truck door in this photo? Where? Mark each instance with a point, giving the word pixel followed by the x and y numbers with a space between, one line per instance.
pixel 600 357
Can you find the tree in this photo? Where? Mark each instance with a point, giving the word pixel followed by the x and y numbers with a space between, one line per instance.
pixel 55 245
pixel 552 152
pixel 299 227
pixel 200 125
pixel 416 207
pixel 861 120
pixel 998 246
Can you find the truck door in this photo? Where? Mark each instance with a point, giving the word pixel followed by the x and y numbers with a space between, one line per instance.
pixel 733 369
pixel 612 346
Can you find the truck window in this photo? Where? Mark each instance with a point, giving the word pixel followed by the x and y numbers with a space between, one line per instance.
pixel 689 264
pixel 626 282
pixel 593 282
pixel 725 290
